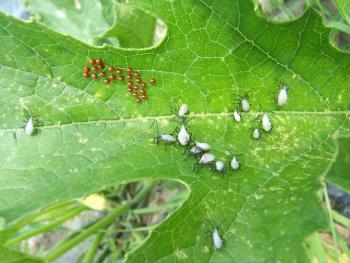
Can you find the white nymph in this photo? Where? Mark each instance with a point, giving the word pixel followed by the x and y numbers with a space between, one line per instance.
pixel 29 127
pixel 219 166
pixel 237 116
pixel 245 104
pixel 183 137
pixel 203 146
pixel 166 138
pixel 235 165
pixel 266 123
pixel 183 110
pixel 256 134
pixel 195 151
pixel 217 240
pixel 282 96
pixel 206 158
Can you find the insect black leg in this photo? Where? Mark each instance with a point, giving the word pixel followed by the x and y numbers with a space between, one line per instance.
pixel 26 113
pixel 185 150
pixel 188 156
pixel 176 130
pixel 195 167
pixel 156 140
pixel 200 167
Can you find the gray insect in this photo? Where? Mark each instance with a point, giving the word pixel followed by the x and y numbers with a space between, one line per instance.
pixel 256 134
pixel 205 159
pixel 219 167
pixel 235 165
pixel 183 110
pixel 217 239
pixel 243 102
pixel 166 138
pixel 266 123
pixel 237 116
pixel 203 146
pixel 282 96
pixel 30 124
pixel 194 151
pixel 183 137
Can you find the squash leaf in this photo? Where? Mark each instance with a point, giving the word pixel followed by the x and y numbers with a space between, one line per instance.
pixel 92 135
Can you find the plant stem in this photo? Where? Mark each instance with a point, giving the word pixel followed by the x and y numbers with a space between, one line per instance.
pixel 101 224
pixel 46 228
pixel 341 219
pixel 329 208
pixel 155 209
pixel 103 256
pixel 89 256
pixel 55 212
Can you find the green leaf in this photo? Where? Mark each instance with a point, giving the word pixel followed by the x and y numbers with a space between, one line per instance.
pixel 97 22
pixel 95 135
pixel 280 10
pixel 84 19
pixel 334 15
pixel 10 256
pixel 133 27
pixel 339 171
pixel 343 8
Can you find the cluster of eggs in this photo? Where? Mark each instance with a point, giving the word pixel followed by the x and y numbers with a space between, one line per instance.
pixel 97 69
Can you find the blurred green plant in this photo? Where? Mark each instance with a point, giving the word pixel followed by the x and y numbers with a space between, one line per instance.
pixel 97 22
pixel 335 14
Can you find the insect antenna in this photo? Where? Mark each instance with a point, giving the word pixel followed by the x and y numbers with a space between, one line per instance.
pixel 26 113
pixel 212 226
pixel 281 83
pixel 156 138
pixel 237 95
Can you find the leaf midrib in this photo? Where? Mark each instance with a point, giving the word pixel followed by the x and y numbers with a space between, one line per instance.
pixel 192 115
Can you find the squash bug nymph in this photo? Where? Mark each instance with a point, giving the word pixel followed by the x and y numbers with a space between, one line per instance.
pixel 282 96
pixel 235 165
pixel 183 110
pixel 217 239
pixel 203 146
pixel 183 136
pixel 205 159
pixel 237 116
pixel 29 128
pixel 194 151
pixel 166 138
pixel 30 123
pixel 243 102
pixel 219 167
pixel 256 134
pixel 266 123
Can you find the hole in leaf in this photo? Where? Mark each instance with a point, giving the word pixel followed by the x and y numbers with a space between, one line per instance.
pixel 119 218
pixel 99 22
